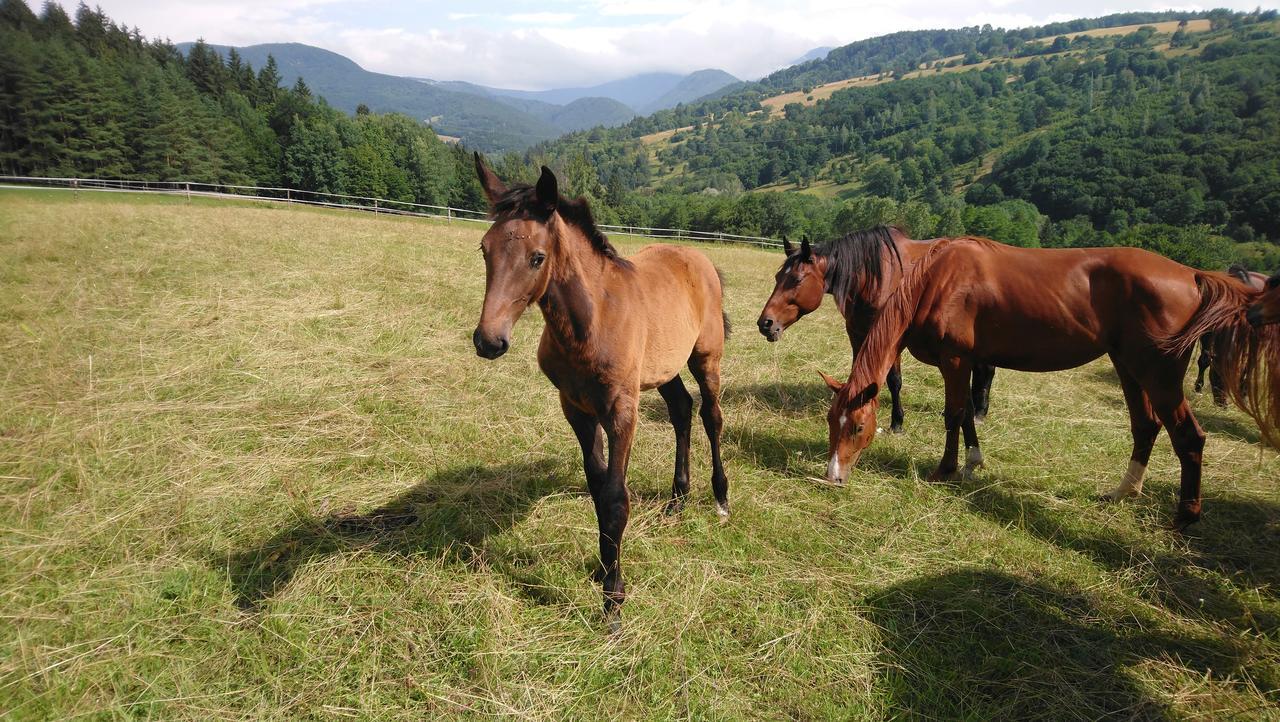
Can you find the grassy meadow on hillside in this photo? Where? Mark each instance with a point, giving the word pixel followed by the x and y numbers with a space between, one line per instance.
pixel 250 466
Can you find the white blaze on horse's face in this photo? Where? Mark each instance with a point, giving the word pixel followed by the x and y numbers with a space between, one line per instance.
pixel 517 261
pixel 851 424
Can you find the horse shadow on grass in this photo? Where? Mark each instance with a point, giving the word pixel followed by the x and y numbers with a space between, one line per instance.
pixel 1236 541
pixel 985 644
pixel 451 514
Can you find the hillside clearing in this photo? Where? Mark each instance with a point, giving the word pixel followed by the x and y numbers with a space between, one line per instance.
pixel 251 467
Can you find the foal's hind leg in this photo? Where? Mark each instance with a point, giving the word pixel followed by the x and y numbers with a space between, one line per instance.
pixel 706 371
pixel 1144 427
pixel 680 409
pixel 894 382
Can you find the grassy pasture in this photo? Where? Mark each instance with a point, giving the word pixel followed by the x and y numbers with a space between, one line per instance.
pixel 251 467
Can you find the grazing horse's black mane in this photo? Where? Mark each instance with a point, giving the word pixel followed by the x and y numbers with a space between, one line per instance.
pixel 521 201
pixel 858 257
pixel 1239 271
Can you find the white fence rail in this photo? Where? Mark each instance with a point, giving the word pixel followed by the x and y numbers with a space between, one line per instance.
pixel 337 200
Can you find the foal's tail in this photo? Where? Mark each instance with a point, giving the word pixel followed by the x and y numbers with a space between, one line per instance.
pixel 1247 358
pixel 728 327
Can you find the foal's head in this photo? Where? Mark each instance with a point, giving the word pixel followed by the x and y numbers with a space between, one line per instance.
pixel 797 290
pixel 518 255
pixel 851 425
pixel 1266 309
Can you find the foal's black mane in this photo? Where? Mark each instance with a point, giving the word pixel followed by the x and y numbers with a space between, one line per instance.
pixel 858 257
pixel 521 201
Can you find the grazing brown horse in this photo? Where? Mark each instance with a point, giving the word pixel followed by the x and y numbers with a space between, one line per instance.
pixel 970 300
pixel 858 270
pixel 614 327
pixel 1257 282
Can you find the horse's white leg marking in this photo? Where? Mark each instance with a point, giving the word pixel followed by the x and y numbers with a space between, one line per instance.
pixel 1131 484
pixel 972 462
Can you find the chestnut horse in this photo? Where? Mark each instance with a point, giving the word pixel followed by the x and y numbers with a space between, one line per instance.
pixel 1257 282
pixel 614 327
pixel 858 270
pixel 970 300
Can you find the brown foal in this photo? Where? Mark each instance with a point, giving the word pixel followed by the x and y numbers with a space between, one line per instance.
pixel 614 327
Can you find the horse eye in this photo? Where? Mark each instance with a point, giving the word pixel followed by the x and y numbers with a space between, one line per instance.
pixel 857 429
pixel 1273 282
pixel 537 259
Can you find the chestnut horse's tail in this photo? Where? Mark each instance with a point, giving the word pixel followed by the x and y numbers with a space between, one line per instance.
pixel 728 327
pixel 1247 358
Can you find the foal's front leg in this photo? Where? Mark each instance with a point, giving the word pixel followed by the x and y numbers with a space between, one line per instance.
pixel 613 504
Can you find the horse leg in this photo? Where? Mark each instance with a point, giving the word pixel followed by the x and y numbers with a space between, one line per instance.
pixel 1218 387
pixel 1143 427
pixel 587 429
pixel 1203 362
pixel 706 371
pixel 1188 444
pixel 983 375
pixel 955 376
pixel 680 409
pixel 894 382
pixel 612 502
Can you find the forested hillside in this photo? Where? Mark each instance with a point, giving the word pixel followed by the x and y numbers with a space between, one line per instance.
pixel 1091 132
pixel 1157 136
pixel 86 97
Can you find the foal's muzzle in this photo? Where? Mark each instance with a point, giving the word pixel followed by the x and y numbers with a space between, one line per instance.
pixel 487 347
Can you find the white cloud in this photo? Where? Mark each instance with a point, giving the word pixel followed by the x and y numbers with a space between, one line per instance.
pixel 576 42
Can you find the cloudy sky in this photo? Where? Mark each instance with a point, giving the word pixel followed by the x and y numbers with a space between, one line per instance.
pixel 559 43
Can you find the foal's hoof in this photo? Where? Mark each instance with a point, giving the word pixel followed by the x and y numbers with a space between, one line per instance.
pixel 941 475
pixel 722 510
pixel 674 506
pixel 895 429
pixel 979 419
pixel 613 622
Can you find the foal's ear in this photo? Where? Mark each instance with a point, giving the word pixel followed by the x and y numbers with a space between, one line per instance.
pixel 787 248
pixel 832 384
pixel 493 188
pixel 547 191
pixel 805 251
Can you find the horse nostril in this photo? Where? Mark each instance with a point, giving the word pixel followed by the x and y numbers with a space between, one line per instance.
pixel 503 345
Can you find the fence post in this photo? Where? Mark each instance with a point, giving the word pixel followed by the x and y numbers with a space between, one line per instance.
pixel 288 195
pixel 188 192
pixel 448 214
pixel 375 206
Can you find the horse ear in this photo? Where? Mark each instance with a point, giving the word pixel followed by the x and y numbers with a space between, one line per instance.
pixel 548 193
pixel 787 247
pixel 805 251
pixel 493 188
pixel 866 396
pixel 834 385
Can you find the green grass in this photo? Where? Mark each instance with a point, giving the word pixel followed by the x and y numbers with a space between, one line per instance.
pixel 250 466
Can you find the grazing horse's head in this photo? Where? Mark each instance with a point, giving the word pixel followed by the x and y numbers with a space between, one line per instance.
pixel 851 425
pixel 1266 309
pixel 518 256
pixel 797 291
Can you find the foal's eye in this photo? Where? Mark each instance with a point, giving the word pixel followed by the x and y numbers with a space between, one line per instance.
pixel 537 259
pixel 857 429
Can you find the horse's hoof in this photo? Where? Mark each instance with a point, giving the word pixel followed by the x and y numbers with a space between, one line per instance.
pixel 674 506
pixel 722 510
pixel 895 429
pixel 938 475
pixel 1183 519
pixel 979 419
pixel 970 472
pixel 613 622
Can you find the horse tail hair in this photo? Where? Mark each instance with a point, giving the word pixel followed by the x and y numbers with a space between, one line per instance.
pixel 728 327
pixel 1247 358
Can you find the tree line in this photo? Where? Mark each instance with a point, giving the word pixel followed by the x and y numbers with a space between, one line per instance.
pixel 84 96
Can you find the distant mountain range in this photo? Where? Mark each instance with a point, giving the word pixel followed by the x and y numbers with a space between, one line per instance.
pixel 492 119
pixel 815 54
